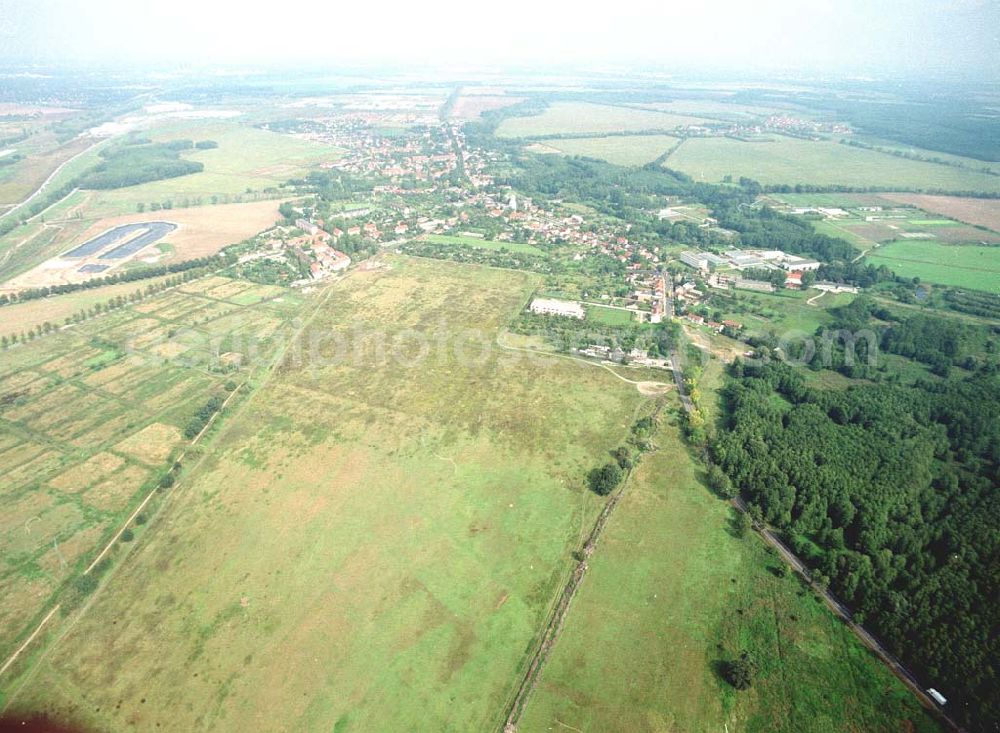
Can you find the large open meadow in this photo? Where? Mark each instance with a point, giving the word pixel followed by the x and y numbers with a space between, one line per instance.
pixel 965 266
pixel 360 530
pixel 671 594
pixel 790 160
pixel 247 158
pixel 577 117
pixel 618 149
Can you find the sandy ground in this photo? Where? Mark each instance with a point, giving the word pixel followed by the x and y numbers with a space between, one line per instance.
pixel 984 212
pixel 201 231
pixel 7 108
pixel 471 107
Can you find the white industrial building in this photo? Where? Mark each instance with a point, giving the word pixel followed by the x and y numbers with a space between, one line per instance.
pixel 697 260
pixel 799 264
pixel 553 307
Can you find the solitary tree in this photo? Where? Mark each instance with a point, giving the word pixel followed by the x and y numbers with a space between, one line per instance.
pixel 740 671
pixel 604 480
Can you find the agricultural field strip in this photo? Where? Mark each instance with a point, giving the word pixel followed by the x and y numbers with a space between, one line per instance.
pixel 151 494
pixel 701 116
pixel 176 319
pixel 21 428
pixel 34 435
pixel 180 319
pixel 951 266
pixel 18 428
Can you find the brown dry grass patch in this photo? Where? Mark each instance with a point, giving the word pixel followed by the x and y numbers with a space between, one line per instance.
pixel 69 550
pixel 983 212
pixel 152 444
pixel 21 599
pixel 90 471
pixel 114 493
pixel 102 430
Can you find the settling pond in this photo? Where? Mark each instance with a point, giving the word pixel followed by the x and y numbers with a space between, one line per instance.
pixel 151 232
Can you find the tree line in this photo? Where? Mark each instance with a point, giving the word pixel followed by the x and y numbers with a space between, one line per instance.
pixel 122 276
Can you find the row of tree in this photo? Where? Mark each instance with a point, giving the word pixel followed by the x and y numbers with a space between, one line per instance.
pixel 122 276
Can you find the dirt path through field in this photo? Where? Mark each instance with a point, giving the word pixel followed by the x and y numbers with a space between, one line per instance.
pixel 644 387
pixel 48 180
pixel 557 617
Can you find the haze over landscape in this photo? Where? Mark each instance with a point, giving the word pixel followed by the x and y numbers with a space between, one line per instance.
pixel 507 367
pixel 854 36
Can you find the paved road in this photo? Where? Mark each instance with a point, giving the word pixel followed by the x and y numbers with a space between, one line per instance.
pixel 844 613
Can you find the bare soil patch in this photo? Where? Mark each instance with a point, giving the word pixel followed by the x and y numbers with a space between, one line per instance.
pixel 471 107
pixel 651 389
pixel 201 231
pixel 983 212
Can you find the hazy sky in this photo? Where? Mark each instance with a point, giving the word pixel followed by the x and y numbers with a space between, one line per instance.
pixel 856 36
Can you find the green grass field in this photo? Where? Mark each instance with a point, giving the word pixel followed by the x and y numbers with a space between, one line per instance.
pixel 620 150
pixel 840 231
pixel 609 316
pixel 841 200
pixel 782 312
pixel 965 266
pixel 366 546
pixel 791 161
pixel 670 594
pixel 974 163
pixel 43 154
pixel 577 117
pixel 482 243
pixel 247 157
pixel 715 109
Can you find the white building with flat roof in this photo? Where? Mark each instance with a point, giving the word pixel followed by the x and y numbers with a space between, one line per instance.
pixel 553 307
pixel 697 260
pixel 801 264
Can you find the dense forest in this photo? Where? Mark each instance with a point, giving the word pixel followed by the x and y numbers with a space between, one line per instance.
pixel 948 121
pixel 890 493
pixel 140 162
pixel 939 341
